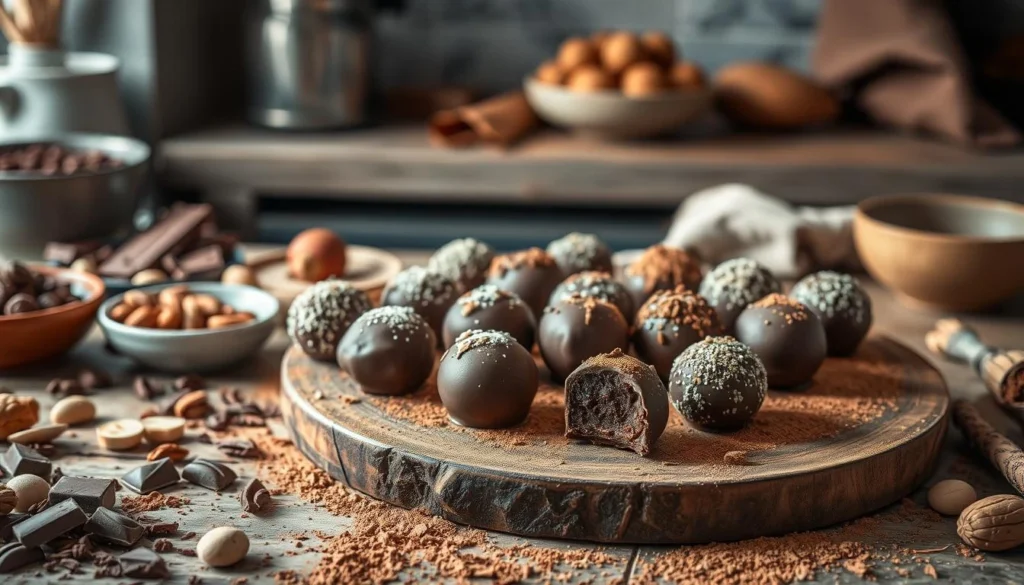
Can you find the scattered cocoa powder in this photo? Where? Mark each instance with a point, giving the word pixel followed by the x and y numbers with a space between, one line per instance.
pixel 150 502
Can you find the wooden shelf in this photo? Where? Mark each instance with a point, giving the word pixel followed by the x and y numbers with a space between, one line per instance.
pixel 554 167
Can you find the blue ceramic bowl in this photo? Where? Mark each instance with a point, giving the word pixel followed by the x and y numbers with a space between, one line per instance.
pixel 195 350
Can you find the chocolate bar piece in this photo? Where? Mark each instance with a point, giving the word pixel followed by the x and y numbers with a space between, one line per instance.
pixel 7 524
pixel 91 493
pixel 20 459
pixel 207 262
pixel 113 528
pixel 170 235
pixel 209 474
pixel 14 556
pixel 151 477
pixel 143 563
pixel 50 524
pixel 64 253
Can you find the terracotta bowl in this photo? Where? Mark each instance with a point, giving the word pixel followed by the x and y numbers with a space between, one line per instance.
pixel 947 252
pixel 41 334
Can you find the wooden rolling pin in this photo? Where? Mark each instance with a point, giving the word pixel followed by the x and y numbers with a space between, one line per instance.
pixel 1003 453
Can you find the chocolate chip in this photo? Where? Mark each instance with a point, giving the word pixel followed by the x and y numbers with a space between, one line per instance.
pixel 254 497
pixel 143 563
pixel 240 448
pixel 145 389
pixel 190 382
pixel 162 545
pixel 91 379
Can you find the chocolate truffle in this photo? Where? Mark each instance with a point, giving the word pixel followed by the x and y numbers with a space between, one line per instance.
pixel 578 328
pixel 487 380
pixel 576 252
pixel 464 261
pixel 718 384
pixel 733 285
pixel 321 315
pixel 600 285
pixel 841 304
pixel 430 294
pixel 388 350
pixel 668 323
pixel 661 267
pixel 617 400
pixel 532 274
pixel 488 307
pixel 787 337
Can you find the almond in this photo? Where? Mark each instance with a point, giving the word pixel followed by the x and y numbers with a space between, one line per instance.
pixel 137 298
pixel 143 317
pixel 192 405
pixel 172 451
pixel 120 312
pixel 219 321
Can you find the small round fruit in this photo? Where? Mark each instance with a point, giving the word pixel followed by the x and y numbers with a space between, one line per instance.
pixel 619 51
pixel 549 72
pixel 950 496
pixel 239 274
pixel 30 489
pixel 590 78
pixel 687 75
pixel 72 410
pixel 576 52
pixel 316 254
pixel 642 79
pixel 223 546
pixel 659 48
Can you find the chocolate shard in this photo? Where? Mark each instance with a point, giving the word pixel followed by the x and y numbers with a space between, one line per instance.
pixel 143 563
pixel 204 263
pixel 14 556
pixel 209 474
pixel 255 497
pixel 615 399
pixel 151 477
pixel 7 524
pixel 175 232
pixel 65 253
pixel 91 493
pixel 113 528
pixel 20 459
pixel 50 524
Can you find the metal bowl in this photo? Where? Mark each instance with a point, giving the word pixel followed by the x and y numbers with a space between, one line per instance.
pixel 36 208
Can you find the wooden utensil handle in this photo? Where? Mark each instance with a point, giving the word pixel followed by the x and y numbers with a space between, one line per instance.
pixel 952 339
pixel 1003 453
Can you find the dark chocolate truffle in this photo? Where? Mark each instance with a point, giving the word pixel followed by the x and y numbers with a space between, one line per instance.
pixel 661 267
pixel 718 384
pixel 668 323
pixel 733 285
pixel 388 350
pixel 532 274
pixel 576 252
pixel 430 294
pixel 841 304
pixel 487 307
pixel 578 328
pixel 787 337
pixel 464 261
pixel 617 400
pixel 321 315
pixel 487 380
pixel 600 285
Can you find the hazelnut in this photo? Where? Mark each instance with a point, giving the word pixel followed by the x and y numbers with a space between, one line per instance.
pixel 549 72
pixel 687 75
pixel 621 50
pixel 642 79
pixel 659 48
pixel 149 276
pixel 576 52
pixel 590 78
pixel 316 254
pixel 239 274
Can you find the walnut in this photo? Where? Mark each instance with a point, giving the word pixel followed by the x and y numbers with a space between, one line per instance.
pixel 8 499
pixel 993 524
pixel 17 413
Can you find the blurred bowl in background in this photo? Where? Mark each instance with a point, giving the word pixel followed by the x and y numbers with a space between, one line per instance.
pixel 37 208
pixel 611 115
pixel 947 252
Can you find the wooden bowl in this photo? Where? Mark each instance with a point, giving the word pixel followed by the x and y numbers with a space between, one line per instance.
pixel 947 252
pixel 41 334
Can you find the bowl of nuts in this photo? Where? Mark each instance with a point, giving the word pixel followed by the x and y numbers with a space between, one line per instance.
pixel 196 327
pixel 45 310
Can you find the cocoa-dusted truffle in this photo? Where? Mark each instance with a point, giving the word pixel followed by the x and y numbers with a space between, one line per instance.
pixel 321 315
pixel 718 384
pixel 487 380
pixel 532 274
pixel 600 285
pixel 576 252
pixel 733 285
pixel 429 293
pixel 487 307
pixel 464 261
pixel 578 328
pixel 661 267
pixel 787 337
pixel 388 350
pixel 617 400
pixel 841 304
pixel 669 322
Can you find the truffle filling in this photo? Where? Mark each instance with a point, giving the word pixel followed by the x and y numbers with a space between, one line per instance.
pixel 606 409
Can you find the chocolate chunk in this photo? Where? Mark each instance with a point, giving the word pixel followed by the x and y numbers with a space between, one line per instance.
pixel 7 524
pixel 240 448
pixel 190 382
pixel 151 477
pixel 217 421
pixel 145 389
pixel 94 379
pixel 162 545
pixel 162 528
pixel 91 493
pixel 203 263
pixel 50 524
pixel 56 475
pixel 20 459
pixel 14 556
pixel 255 497
pixel 113 528
pixel 21 303
pixel 143 563
pixel 209 474
pixel 144 250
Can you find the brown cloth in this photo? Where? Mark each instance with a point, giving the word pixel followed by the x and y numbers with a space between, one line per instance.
pixel 499 120
pixel 904 65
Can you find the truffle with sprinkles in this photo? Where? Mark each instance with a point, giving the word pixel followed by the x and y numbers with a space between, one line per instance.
pixel 388 350
pixel 661 267
pixel 428 293
pixel 669 322
pixel 841 304
pixel 321 314
pixel 787 337
pixel 532 274
pixel 576 252
pixel 718 384
pixel 488 307
pixel 464 261
pixel 733 285
pixel 601 286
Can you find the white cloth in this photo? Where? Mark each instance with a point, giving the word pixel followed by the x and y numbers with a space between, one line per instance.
pixel 734 220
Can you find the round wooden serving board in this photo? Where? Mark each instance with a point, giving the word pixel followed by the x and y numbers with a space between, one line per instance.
pixel 865 434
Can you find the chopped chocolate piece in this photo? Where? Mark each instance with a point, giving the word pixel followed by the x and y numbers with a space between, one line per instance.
pixel 144 250
pixel 151 477
pixel 65 387
pixel 162 528
pixel 113 528
pixel 7 523
pixel 14 556
pixel 254 497
pixel 38 506
pixel 143 563
pixel 65 253
pixel 50 524
pixel 240 448
pixel 217 421
pixel 162 545
pixel 91 379
pixel 190 382
pixel 209 474
pixel 20 459
pixel 56 475
pixel 201 264
pixel 145 389
pixel 91 493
